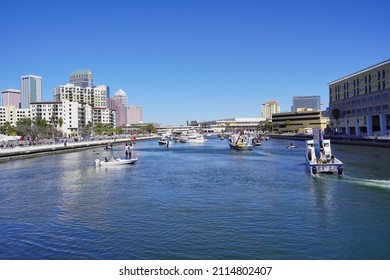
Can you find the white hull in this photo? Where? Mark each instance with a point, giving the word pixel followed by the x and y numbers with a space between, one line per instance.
pixel 115 162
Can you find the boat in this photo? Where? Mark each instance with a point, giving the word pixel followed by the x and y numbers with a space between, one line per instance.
pixel 256 141
pixel 193 137
pixel 109 147
pixel 241 142
pixel 114 162
pixel 291 146
pixel 163 141
pixel 319 157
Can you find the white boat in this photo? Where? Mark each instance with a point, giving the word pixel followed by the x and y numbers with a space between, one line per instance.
pixel 241 142
pixel 114 162
pixel 291 146
pixel 163 141
pixel 319 156
pixel 193 137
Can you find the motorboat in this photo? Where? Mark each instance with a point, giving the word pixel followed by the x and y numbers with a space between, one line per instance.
pixel 163 141
pixel 319 157
pixel 114 162
pixel 193 137
pixel 240 141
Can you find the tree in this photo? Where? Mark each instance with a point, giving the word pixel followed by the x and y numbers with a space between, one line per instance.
pixel 336 116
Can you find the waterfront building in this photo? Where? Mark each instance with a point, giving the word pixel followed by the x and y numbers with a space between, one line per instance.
pixel 359 103
pixel 31 90
pixel 306 102
pixel 231 125
pixel 269 108
pixel 104 116
pixel 11 97
pixel 94 96
pixel 12 114
pixel 298 122
pixel 75 116
pixel 82 78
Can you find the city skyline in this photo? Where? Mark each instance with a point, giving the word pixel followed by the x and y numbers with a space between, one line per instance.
pixel 203 60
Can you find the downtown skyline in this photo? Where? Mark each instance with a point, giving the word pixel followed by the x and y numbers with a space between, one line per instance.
pixel 194 60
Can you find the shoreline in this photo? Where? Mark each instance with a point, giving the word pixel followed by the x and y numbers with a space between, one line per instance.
pixel 343 140
pixel 23 152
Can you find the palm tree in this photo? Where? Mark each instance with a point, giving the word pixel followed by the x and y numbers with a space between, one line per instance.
pixel 336 116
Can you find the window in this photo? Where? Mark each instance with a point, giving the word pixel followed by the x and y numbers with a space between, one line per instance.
pixel 379 85
pixel 377 108
pixel 385 107
pixel 385 95
pixel 365 79
pixel 383 84
pixel 369 78
pixel 379 75
pixel 383 73
pixel 377 97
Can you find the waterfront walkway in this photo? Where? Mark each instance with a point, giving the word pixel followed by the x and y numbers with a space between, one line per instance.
pixel 19 152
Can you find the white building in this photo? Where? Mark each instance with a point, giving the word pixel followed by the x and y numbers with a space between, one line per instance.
pixel 74 115
pixel 31 90
pixel 269 108
pixel 94 96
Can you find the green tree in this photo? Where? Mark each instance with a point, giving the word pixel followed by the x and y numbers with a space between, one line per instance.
pixel 336 116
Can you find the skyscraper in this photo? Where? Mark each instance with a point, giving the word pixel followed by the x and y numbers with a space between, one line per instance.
pixel 269 108
pixel 31 90
pixel 82 78
pixel 10 97
pixel 305 102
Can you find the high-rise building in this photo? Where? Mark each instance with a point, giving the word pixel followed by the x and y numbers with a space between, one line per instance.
pixel 10 97
pixel 306 102
pixel 96 96
pixel 134 114
pixel 82 78
pixel 269 108
pixel 31 90
pixel 119 102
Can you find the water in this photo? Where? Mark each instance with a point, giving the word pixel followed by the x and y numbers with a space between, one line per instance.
pixel 196 202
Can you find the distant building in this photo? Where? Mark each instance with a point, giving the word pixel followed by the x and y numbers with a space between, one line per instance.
pixel 134 114
pixel 231 124
pixel 269 108
pixel 94 96
pixel 298 122
pixel 306 102
pixel 31 90
pixel 359 104
pixel 11 97
pixel 82 78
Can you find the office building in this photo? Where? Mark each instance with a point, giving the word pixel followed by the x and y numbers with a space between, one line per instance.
pixel 298 122
pixel 11 97
pixel 306 102
pixel 133 114
pixel 269 108
pixel 359 103
pixel 82 78
pixel 31 90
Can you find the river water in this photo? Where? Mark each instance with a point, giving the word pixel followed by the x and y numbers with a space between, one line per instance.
pixel 196 202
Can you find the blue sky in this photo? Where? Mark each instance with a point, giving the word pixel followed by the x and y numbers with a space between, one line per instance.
pixel 192 59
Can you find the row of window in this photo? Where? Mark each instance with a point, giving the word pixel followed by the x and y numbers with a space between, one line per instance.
pixel 356 91
pixel 356 82
pixel 366 109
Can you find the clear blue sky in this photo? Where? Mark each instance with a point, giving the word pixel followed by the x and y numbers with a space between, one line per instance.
pixel 192 59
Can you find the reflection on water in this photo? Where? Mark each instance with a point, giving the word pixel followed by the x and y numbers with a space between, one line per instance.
pixel 196 202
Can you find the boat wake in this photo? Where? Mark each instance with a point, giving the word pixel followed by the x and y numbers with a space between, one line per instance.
pixel 371 183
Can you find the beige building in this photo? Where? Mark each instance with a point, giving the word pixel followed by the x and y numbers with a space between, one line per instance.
pixel 298 122
pixel 12 114
pixel 359 104
pixel 269 108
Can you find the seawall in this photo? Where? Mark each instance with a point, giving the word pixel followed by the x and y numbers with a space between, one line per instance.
pixel 22 152
pixel 345 140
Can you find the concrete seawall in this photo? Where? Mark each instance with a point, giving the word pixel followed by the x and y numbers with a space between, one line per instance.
pixel 22 152
pixel 372 142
